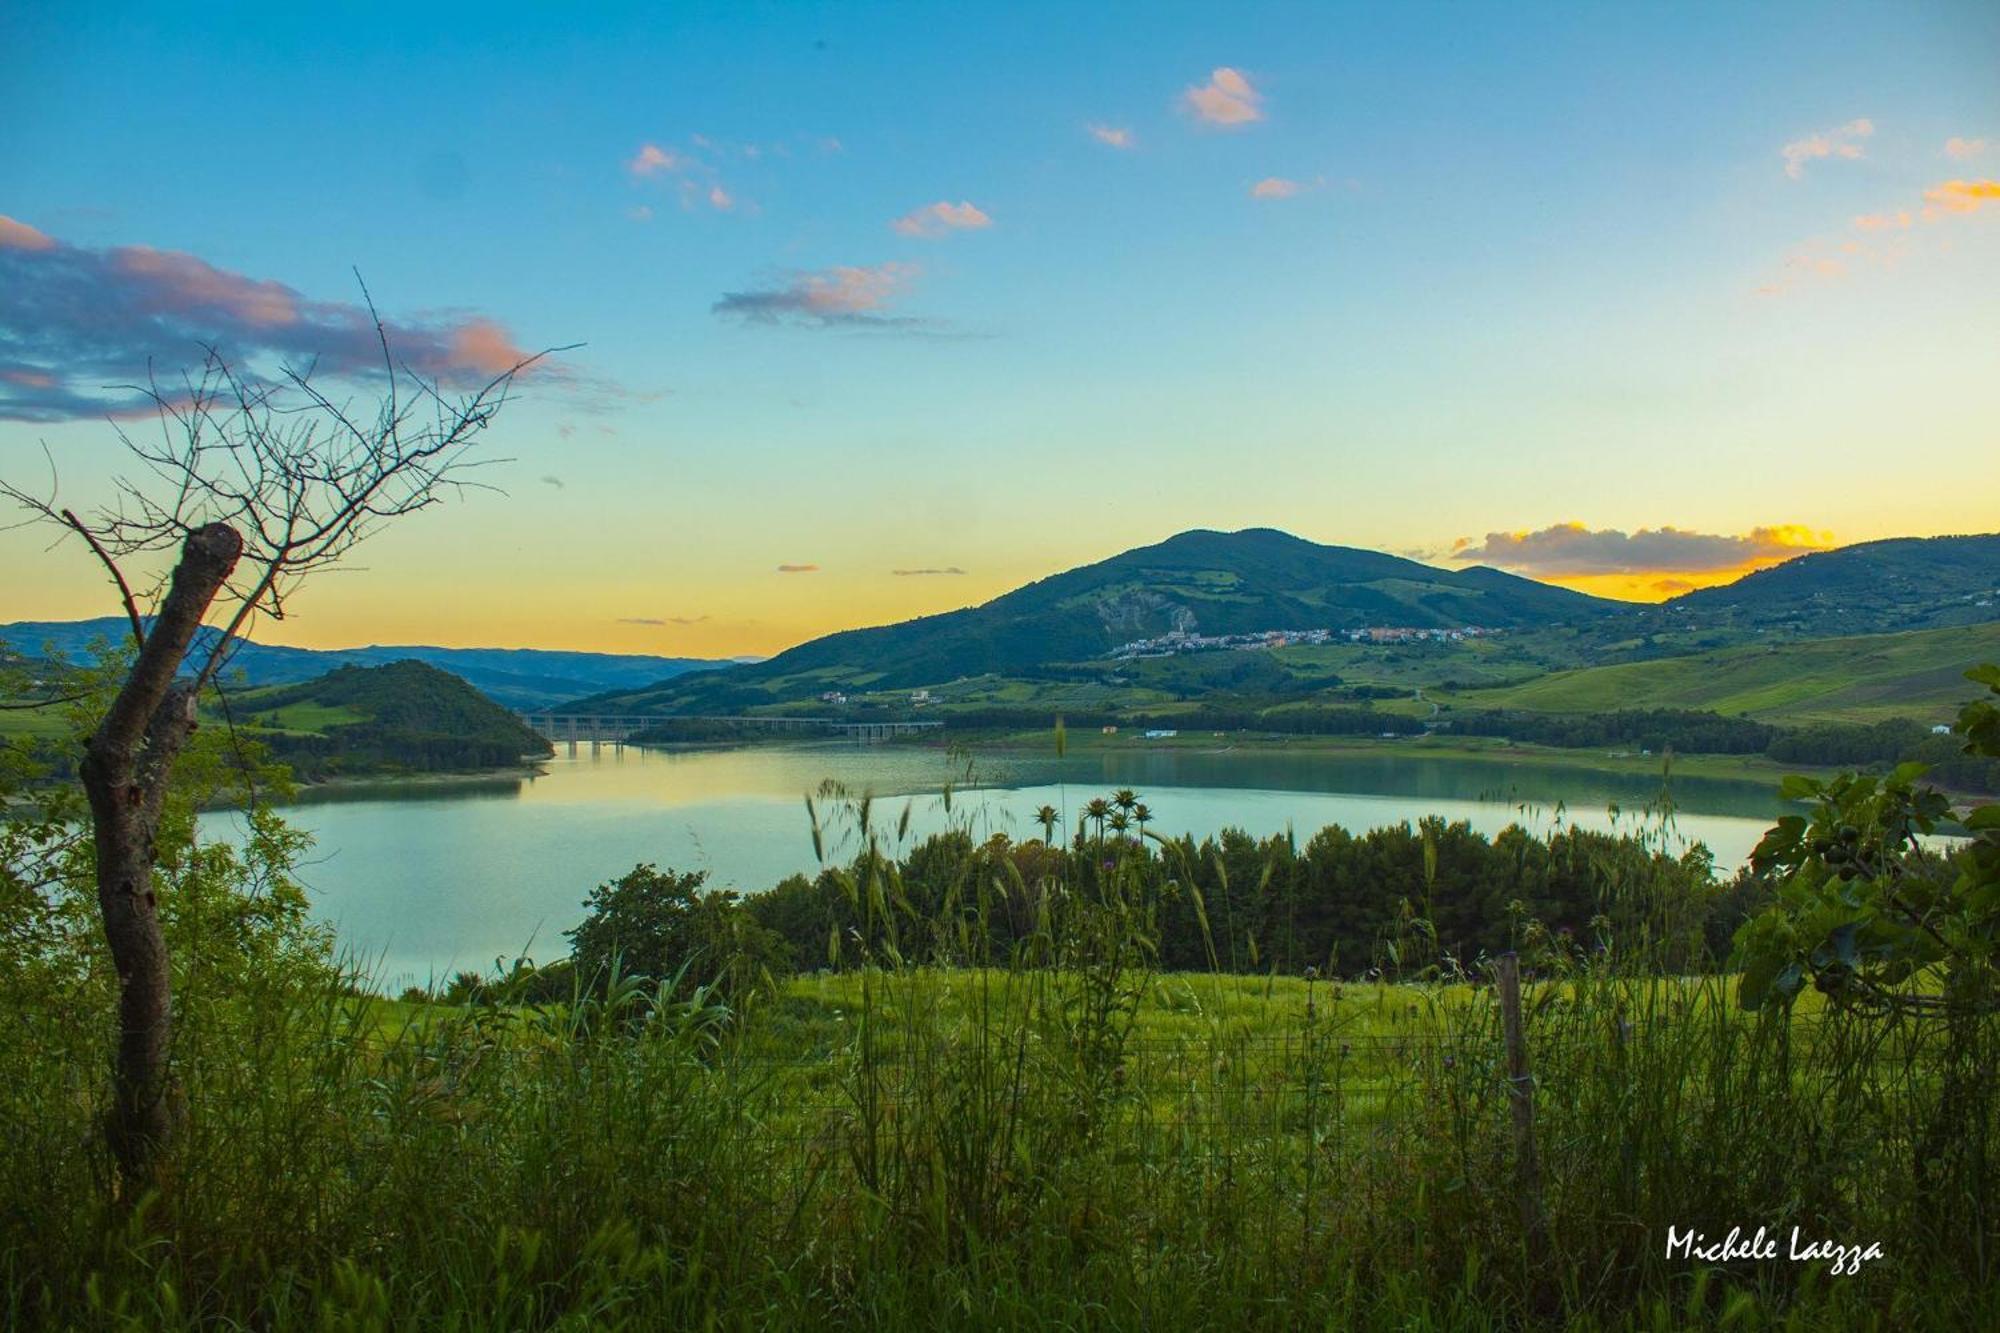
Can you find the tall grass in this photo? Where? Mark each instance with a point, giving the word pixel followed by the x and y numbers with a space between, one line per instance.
pixel 1059 1134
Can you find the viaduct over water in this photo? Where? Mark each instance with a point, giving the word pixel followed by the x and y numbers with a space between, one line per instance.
pixel 618 728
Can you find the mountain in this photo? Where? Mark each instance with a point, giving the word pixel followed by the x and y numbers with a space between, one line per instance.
pixel 405 717
pixel 1201 582
pixel 516 677
pixel 1903 583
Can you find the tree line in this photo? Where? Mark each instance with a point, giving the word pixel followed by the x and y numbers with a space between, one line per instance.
pixel 1390 901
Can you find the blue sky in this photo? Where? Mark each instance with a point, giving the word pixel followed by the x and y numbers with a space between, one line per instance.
pixel 1525 267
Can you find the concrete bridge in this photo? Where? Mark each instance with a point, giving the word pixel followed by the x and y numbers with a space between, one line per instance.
pixel 618 728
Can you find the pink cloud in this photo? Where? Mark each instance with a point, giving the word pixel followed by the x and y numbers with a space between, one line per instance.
pixel 175 280
pixel 651 160
pixel 941 218
pixel 74 319
pixel 1113 136
pixel 720 199
pixel 1884 221
pixel 1227 99
pixel 485 346
pixel 844 295
pixel 1274 187
pixel 20 236
pixel 1962 149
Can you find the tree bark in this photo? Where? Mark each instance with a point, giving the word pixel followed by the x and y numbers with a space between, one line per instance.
pixel 126 768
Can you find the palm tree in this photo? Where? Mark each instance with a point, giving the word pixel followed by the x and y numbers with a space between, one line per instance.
pixel 1047 817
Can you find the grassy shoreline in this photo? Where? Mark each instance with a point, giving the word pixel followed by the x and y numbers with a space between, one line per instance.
pixel 1748 767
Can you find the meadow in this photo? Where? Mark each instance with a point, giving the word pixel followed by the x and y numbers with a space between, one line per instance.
pixel 1091 1081
pixel 1066 1136
pixel 1858 679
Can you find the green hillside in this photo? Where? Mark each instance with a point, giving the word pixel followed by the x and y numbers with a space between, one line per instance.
pixel 1903 583
pixel 1861 678
pixel 403 717
pixel 1201 582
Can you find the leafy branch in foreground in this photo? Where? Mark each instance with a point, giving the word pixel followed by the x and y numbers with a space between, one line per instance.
pixel 1865 912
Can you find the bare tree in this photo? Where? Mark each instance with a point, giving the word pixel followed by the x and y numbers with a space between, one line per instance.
pixel 253 484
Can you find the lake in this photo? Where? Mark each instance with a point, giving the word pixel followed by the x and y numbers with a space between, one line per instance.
pixel 422 880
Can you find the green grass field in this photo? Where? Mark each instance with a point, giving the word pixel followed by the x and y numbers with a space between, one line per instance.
pixel 1862 679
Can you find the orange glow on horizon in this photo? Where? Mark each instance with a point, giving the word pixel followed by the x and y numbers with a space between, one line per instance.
pixel 1655 585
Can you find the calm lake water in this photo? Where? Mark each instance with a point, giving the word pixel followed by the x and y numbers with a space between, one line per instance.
pixel 425 880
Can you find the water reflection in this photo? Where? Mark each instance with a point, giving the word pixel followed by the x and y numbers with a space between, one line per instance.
pixel 425 878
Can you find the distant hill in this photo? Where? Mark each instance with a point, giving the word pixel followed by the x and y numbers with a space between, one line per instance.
pixel 516 677
pixel 1880 587
pixel 405 717
pixel 1203 582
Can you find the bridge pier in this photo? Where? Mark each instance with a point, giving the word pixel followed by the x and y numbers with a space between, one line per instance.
pixel 572 729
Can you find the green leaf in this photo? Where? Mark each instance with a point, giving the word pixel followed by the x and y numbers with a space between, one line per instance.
pixel 1794 787
pixel 1754 990
pixel 1983 817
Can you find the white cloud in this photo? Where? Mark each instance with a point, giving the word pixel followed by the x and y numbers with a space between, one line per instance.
pixel 1844 142
pixel 1113 136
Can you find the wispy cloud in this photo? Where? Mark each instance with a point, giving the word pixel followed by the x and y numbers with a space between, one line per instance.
pixel 551 479
pixel 1844 142
pixel 695 179
pixel 850 295
pixel 941 219
pixel 74 319
pixel 919 573
pixel 1963 149
pixel 798 569
pixel 661 620
pixel 653 160
pixel 1113 136
pixel 1570 550
pixel 1883 242
pixel 1227 99
pixel 1275 187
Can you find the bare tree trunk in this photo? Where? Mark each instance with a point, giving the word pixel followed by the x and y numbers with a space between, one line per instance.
pixel 126 768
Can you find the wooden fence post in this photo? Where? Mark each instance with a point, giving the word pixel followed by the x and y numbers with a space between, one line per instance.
pixel 1521 1094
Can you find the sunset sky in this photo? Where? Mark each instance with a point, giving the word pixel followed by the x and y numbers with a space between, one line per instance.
pixel 887 310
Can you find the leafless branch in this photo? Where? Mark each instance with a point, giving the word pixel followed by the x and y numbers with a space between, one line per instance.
pixel 301 474
pixel 117 576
